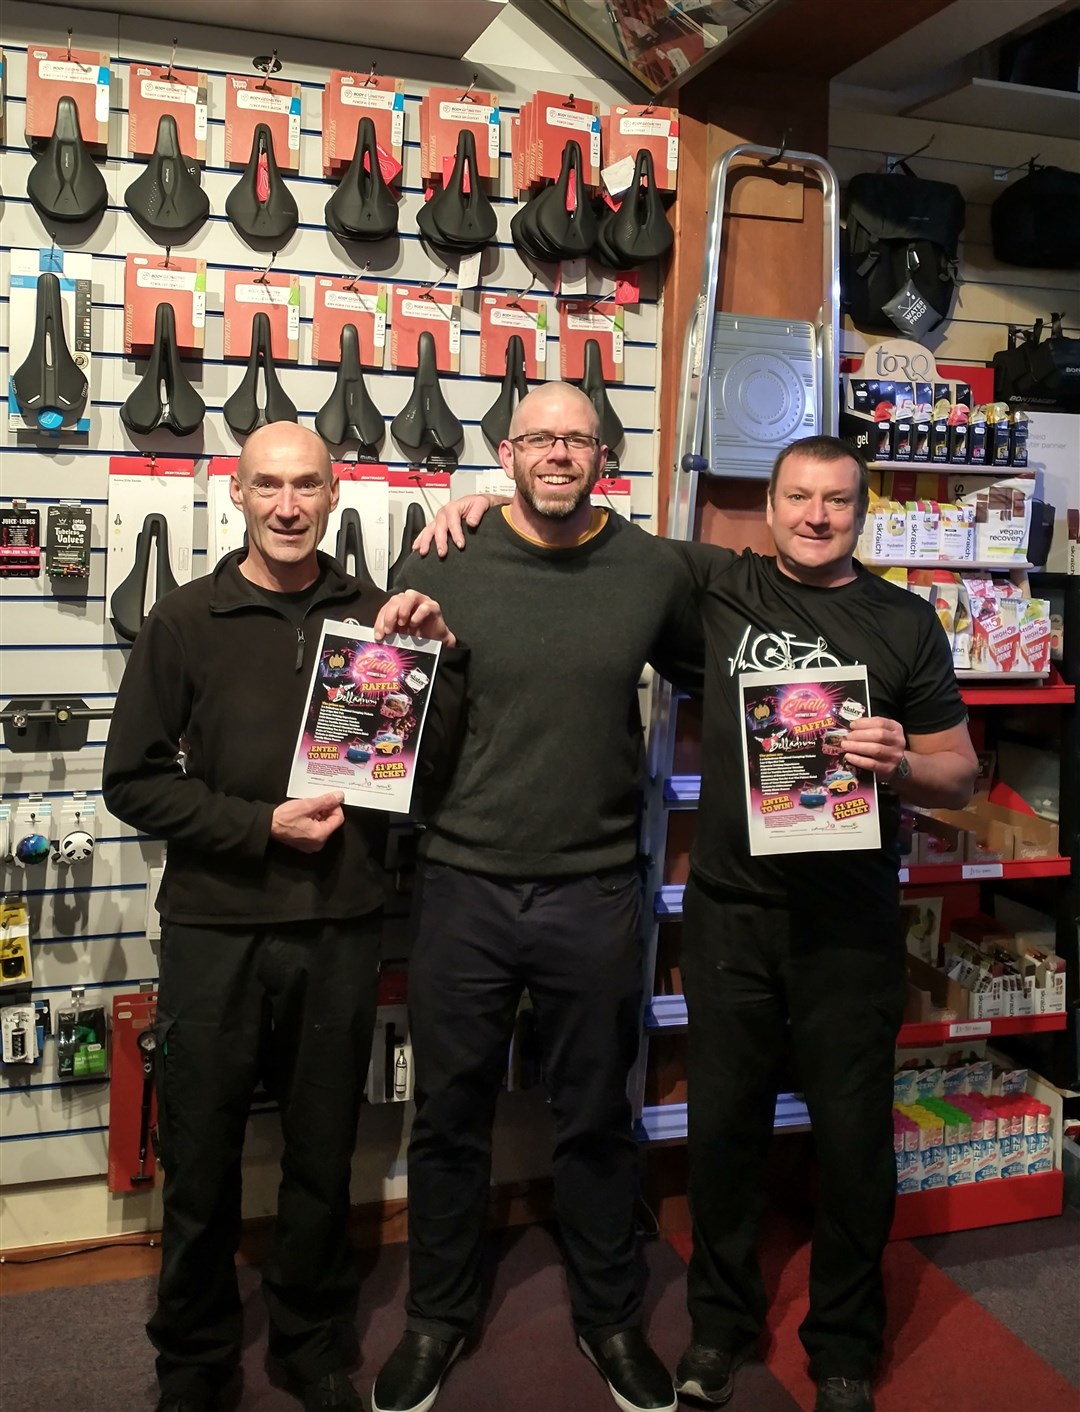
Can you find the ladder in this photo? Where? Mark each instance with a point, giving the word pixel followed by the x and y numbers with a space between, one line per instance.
pixel 749 387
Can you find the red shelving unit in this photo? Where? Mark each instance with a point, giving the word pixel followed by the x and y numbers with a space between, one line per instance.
pixel 940 874
pixel 967 1207
pixel 988 692
pixel 942 1032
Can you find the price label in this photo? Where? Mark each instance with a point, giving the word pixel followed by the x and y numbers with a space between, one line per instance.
pixel 904 876
pixel 968 1029
pixel 981 870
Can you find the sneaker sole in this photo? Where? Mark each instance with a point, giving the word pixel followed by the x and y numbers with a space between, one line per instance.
pixel 425 1403
pixel 690 1387
pixel 620 1401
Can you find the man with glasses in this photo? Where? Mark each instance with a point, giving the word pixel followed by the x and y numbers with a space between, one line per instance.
pixel 529 880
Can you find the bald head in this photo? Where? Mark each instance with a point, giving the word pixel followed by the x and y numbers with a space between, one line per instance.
pixel 554 402
pixel 284 444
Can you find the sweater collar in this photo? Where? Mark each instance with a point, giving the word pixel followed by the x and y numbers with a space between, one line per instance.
pixel 231 590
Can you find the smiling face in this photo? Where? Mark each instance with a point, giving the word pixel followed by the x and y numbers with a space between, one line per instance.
pixel 553 483
pixel 813 512
pixel 285 487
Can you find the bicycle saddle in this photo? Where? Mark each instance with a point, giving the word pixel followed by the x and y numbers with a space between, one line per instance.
pixel 495 423
pixel 602 249
pixel 242 411
pixel 462 219
pixel 415 520
pixel 66 183
pixel 50 387
pixel 349 414
pixel 572 233
pixel 639 229
pixel 350 541
pixel 127 611
pixel 426 417
pixel 166 199
pixel 164 397
pixel 592 384
pixel 362 207
pixel 260 205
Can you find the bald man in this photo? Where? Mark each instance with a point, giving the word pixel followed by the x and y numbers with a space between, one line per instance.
pixel 270 914
pixel 529 881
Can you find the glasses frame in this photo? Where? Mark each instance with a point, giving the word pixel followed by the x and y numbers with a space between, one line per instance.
pixel 594 441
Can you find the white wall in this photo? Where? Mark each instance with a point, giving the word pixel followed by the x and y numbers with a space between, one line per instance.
pixel 89 927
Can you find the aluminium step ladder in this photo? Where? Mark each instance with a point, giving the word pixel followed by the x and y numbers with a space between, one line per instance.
pixel 749 387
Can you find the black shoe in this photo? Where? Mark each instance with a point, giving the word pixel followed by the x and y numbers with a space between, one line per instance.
pixel 636 1378
pixel 844 1395
pixel 333 1392
pixel 708 1374
pixel 411 1376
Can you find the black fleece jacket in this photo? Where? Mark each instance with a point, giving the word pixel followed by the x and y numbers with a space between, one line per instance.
pixel 218 666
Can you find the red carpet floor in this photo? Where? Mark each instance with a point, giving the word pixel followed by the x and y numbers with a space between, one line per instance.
pixel 946 1353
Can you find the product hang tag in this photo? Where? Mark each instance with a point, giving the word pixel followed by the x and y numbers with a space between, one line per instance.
pixel 469 271
pixel 910 312
pixel 573 279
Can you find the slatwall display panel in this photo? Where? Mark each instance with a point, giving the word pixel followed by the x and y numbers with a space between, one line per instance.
pixel 89 922
pixel 990 295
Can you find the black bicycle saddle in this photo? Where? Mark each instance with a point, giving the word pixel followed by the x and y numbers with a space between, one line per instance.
pixel 362 207
pixel 66 183
pixel 127 610
pixel 164 397
pixel 350 541
pixel 639 229
pixel 592 384
pixel 426 417
pixel 461 219
pixel 50 387
pixel 415 520
pixel 166 199
pixel 495 423
pixel 349 414
pixel 242 411
pixel 260 205
pixel 571 233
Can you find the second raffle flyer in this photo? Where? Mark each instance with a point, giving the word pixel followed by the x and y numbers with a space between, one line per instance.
pixel 365 714
pixel 800 791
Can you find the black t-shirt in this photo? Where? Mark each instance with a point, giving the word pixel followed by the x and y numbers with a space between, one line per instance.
pixel 293 606
pixel 756 619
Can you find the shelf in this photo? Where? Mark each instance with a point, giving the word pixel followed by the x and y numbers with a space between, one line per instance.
pixel 982 565
pixel 1009 107
pixel 667 1122
pixel 965 1208
pixel 668 1012
pixel 668 900
pixel 950 467
pixel 1016 689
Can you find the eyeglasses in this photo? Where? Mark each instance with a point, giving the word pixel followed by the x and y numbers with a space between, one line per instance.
pixel 545 440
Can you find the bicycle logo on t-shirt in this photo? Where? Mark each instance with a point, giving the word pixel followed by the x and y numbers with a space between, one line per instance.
pixel 779 652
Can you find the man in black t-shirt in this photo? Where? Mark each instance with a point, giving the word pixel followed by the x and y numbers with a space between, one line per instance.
pixel 801 945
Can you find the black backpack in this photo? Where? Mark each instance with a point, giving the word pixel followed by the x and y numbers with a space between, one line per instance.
pixel 898 251
pixel 1033 372
pixel 1036 221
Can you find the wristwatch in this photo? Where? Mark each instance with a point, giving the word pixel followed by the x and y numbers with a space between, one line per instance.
pixel 901 773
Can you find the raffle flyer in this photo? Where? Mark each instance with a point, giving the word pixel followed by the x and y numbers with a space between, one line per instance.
pixel 801 794
pixel 365 715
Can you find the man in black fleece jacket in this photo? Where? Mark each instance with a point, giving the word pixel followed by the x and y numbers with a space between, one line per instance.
pixel 529 879
pixel 270 926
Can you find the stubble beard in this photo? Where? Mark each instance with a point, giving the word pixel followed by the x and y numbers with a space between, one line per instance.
pixel 555 508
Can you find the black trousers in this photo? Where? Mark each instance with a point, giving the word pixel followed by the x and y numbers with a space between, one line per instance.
pixel 749 972
pixel 294 1005
pixel 574 943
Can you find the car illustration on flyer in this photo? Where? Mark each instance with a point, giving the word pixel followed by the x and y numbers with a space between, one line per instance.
pixel 801 793
pixel 365 715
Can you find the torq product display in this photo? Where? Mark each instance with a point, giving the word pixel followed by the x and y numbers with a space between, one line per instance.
pixel 166 199
pixel 164 397
pixel 127 610
pixel 495 423
pixel 260 205
pixel 243 411
pixel 362 207
pixel 50 388
pixel 349 414
pixel 426 419
pixel 66 183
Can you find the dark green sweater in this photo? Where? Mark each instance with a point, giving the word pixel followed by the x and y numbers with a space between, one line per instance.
pixel 549 778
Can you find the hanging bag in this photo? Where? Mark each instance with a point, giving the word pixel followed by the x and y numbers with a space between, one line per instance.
pixel 1036 221
pixel 1033 372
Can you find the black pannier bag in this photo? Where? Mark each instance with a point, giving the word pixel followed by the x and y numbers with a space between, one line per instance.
pixel 1037 372
pixel 1036 221
pixel 898 251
